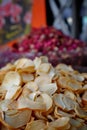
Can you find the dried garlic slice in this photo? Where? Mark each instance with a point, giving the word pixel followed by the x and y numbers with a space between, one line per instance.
pixel 17 118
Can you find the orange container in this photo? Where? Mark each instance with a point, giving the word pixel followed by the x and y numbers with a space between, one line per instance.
pixel 38 13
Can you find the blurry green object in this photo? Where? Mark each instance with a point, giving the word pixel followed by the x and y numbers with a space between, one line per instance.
pixel 0 1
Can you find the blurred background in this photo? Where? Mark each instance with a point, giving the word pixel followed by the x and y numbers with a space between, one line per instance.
pixel 70 16
pixel 55 28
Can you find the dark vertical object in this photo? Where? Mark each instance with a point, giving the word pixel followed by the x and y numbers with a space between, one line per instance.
pixel 49 15
pixel 77 21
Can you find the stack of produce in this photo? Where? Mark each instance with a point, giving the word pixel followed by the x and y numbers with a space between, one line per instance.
pixel 34 95
pixel 49 42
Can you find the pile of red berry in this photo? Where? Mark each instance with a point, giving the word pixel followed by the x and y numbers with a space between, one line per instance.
pixel 52 43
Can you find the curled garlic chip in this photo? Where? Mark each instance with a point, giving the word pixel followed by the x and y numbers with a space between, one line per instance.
pixel 31 86
pixel 39 61
pixel 4 104
pixel 69 103
pixel 48 88
pixel 17 118
pixel 23 63
pixel 61 113
pixel 34 95
pixel 80 112
pixel 12 78
pixel 47 100
pixel 13 92
pixel 69 83
pixel 70 94
pixel 39 115
pixel 60 123
pixel 78 77
pixel 44 68
pixel 25 102
pixel 64 67
pixel 26 77
pixel 64 102
pixel 36 125
pixel 41 80
pixel 76 123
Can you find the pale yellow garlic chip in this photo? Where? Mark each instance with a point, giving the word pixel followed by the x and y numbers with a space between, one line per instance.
pixel 13 105
pixel 80 112
pixel 38 97
pixel 36 125
pixel 48 88
pixel 25 91
pixel 32 86
pixel 52 72
pixel 58 100
pixel 17 118
pixel 47 100
pixel 44 68
pixel 41 80
pixel 23 63
pixel 25 102
pixel 13 92
pixel 40 115
pixel 76 123
pixel 33 95
pixel 26 77
pixel 64 67
pixel 4 70
pixel 84 98
pixel 60 123
pixel 69 83
pixel 75 86
pixel 69 103
pixel 12 78
pixel 78 77
pixel 70 94
pixel 37 62
pixel 30 69
pixel 60 113
pixel 62 82
pixel 4 104
pixel 64 102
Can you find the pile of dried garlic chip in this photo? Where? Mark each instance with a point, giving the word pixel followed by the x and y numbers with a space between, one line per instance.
pixel 36 96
